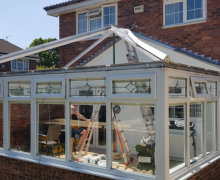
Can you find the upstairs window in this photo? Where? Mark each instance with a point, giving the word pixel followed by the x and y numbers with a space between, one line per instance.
pixel 19 65
pixel 174 13
pixel 96 18
pixel 183 11
pixel 82 23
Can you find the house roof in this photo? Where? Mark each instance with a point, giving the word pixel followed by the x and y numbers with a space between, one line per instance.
pixel 7 48
pixel 62 4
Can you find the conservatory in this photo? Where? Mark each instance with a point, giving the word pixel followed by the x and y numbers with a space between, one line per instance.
pixel 151 120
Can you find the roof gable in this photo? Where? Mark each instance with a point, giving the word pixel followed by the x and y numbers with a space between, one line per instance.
pixel 7 47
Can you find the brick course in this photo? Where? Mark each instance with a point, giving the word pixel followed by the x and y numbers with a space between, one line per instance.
pixel 12 169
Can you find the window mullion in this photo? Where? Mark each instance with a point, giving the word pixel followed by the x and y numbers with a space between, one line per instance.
pixel 187 136
pixel 204 131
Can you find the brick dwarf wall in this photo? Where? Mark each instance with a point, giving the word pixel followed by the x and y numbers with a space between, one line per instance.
pixel 12 169
pixel 21 170
pixel 202 37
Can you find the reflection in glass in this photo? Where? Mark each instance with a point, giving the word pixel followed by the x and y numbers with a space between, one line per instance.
pixel 210 127
pixel 196 120
pixel 177 87
pixel 133 138
pixel 201 87
pixel 131 86
pixel 51 130
pixel 19 89
pixel 88 134
pixel 177 119
pixel 20 127
pixel 87 87
pixel 49 88
pixel 212 88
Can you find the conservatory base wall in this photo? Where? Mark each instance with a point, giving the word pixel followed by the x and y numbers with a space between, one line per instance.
pixel 20 170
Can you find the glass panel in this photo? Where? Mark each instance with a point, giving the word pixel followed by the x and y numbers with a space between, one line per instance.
pixel 201 88
pixel 131 86
pixel 174 13
pixel 87 87
pixel 14 65
pixel 20 136
pixel 177 120
pixel 82 23
pixel 26 65
pixel 212 88
pixel 52 130
pixel 1 124
pixel 95 24
pixel 49 88
pixel 88 138
pixel 196 123
pixel 109 15
pixel 20 65
pixel 133 138
pixel 19 89
pixel 194 9
pixel 211 108
pixel 177 87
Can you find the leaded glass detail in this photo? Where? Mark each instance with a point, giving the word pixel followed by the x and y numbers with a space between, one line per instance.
pixel 49 88
pixel 177 87
pixel 132 86
pixel 201 87
pixel 87 87
pixel 19 89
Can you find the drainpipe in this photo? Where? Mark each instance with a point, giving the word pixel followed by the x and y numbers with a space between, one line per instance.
pixel 113 42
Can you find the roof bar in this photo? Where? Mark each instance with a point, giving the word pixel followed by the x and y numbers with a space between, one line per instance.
pixel 107 34
pixel 50 45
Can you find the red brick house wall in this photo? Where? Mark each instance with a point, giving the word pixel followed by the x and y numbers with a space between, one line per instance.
pixel 202 37
pixel 5 67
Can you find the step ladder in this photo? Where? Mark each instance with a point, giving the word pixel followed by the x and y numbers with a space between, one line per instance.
pixel 132 53
pixel 89 132
pixel 121 138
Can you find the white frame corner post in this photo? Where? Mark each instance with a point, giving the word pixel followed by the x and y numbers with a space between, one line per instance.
pixel 162 133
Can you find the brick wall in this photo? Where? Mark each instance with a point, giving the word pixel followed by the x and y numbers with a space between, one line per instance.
pixel 12 169
pixel 20 127
pixel 202 37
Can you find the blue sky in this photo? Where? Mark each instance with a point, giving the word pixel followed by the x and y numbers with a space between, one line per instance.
pixel 24 20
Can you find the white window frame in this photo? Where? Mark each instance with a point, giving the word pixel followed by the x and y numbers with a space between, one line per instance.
pixel 185 21
pixel 1 88
pixel 23 64
pixel 100 17
pixel 102 22
pixel 200 80
pixel 55 79
pixel 140 76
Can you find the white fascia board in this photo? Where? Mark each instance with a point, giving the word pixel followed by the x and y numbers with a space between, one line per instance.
pixel 150 51
pixel 77 6
pixel 50 45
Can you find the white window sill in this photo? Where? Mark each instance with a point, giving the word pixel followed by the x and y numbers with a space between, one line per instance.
pixel 185 23
pixel 187 172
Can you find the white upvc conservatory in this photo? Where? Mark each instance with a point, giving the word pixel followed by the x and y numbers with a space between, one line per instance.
pixel 155 120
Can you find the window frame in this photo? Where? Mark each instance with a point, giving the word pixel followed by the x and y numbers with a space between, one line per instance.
pixel 23 64
pixel 51 95
pixel 102 16
pixel 137 76
pixel 185 21
pixel 195 79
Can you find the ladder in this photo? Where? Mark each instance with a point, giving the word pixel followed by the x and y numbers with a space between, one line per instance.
pixel 132 53
pixel 90 129
pixel 145 111
pixel 121 138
